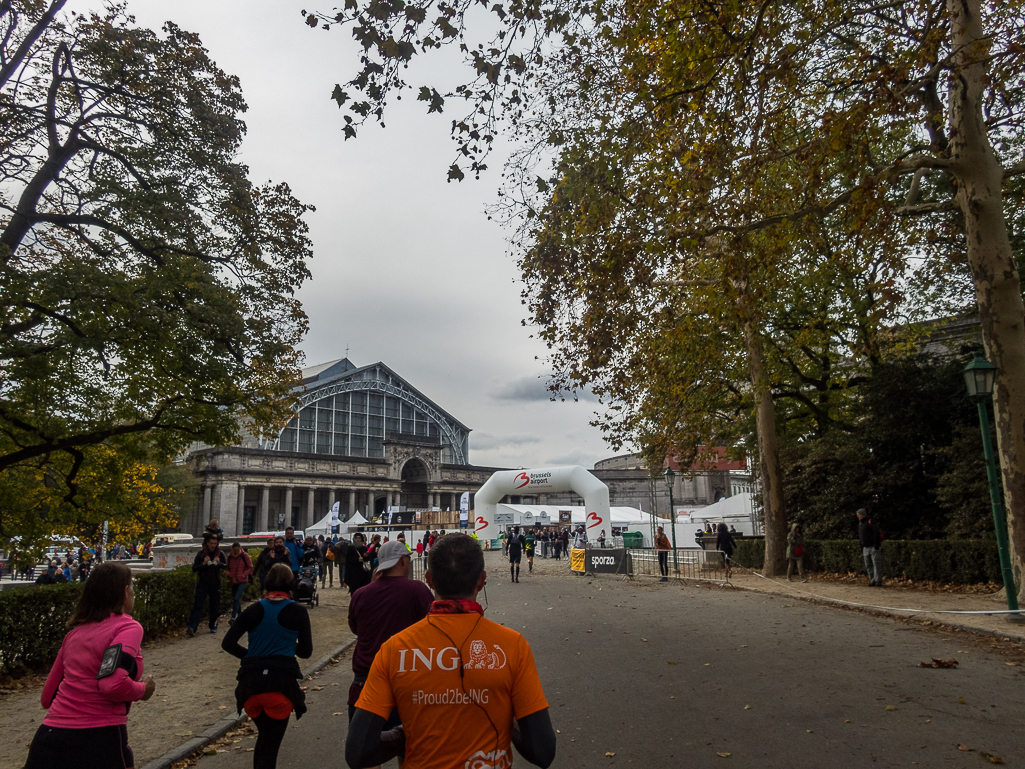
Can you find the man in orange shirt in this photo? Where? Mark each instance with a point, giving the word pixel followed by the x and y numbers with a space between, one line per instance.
pixel 466 688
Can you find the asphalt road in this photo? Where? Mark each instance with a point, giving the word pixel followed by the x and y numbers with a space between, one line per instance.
pixel 662 677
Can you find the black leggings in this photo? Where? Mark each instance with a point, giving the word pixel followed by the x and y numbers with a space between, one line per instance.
pixel 663 562
pixel 101 747
pixel 270 733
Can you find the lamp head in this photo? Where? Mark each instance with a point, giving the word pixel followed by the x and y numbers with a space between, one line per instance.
pixel 979 376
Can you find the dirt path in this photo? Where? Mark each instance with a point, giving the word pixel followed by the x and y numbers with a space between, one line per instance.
pixel 195 688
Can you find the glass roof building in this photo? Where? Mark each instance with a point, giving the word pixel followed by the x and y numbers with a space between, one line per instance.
pixel 345 410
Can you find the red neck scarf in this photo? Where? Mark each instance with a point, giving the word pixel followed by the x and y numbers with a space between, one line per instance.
pixel 278 594
pixel 458 606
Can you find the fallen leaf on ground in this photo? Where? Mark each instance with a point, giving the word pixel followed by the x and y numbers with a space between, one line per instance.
pixel 962 701
pixel 645 640
pixel 724 755
pixel 937 662
pixel 747 707
pixel 891 707
pixel 672 662
pixel 317 688
pixel 992 759
pixel 962 746
pixel 339 714
pixel 610 755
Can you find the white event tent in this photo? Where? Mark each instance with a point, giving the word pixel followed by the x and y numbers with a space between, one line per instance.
pixel 323 526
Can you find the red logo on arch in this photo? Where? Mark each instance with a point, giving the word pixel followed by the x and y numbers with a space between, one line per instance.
pixel 481 523
pixel 598 520
pixel 522 477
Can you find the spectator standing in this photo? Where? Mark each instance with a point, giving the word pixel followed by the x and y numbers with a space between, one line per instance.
pixel 268 688
pixel 240 570
pixel 724 543
pixel 295 550
pixel 208 565
pixel 580 538
pixel 341 550
pixel 663 546
pixel 871 543
pixel 389 604
pixel 326 562
pixel 356 575
pixel 529 545
pixel 263 562
pixel 372 551
pixel 557 546
pixel 94 679
pixel 795 552
pixel 477 655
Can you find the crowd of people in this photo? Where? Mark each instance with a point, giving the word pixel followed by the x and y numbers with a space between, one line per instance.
pixel 98 673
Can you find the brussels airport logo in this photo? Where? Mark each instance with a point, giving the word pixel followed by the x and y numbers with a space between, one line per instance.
pixel 536 479
pixel 481 523
pixel 496 759
pixel 597 520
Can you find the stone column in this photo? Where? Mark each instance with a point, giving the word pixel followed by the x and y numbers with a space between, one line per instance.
pixel 208 495
pixel 288 507
pixel 264 511
pixel 370 504
pixel 352 503
pixel 330 500
pixel 240 511
pixel 310 520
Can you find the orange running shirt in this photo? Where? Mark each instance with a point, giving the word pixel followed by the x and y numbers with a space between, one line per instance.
pixel 445 717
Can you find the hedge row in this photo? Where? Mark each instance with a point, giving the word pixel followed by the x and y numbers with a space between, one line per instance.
pixel 32 619
pixel 959 562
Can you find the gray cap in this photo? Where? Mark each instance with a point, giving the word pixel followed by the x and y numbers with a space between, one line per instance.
pixel 389 554
pixel 861 511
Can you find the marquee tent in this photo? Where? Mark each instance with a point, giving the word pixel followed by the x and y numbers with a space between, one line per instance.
pixel 323 526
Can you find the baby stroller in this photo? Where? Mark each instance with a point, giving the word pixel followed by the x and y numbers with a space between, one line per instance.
pixel 306 585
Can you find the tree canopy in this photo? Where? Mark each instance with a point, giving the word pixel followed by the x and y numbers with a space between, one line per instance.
pixel 683 128
pixel 148 286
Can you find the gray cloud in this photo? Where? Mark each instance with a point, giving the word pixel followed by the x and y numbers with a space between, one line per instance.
pixel 533 388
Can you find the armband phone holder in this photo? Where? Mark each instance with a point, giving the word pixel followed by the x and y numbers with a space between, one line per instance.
pixel 111 657
pixel 114 658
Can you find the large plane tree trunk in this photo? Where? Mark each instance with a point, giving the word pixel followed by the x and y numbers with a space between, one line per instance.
pixel 773 507
pixel 997 283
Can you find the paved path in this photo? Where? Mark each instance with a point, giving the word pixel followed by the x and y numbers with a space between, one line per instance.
pixel 663 677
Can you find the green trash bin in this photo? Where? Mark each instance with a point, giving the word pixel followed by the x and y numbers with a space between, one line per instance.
pixel 633 539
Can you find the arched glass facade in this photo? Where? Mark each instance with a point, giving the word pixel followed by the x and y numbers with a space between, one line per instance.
pixel 352 415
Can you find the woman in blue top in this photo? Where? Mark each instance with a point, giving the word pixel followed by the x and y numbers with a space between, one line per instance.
pixel 268 679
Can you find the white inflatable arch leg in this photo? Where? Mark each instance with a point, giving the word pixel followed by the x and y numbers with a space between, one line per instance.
pixel 542 481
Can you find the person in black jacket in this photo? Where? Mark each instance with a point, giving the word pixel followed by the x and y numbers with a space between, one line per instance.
pixel 209 563
pixel 355 575
pixel 724 544
pixel 868 534
pixel 263 562
pixel 268 679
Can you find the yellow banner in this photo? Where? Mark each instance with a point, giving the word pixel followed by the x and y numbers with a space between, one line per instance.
pixel 576 560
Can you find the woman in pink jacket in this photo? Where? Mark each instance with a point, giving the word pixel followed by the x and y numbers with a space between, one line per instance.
pixel 94 680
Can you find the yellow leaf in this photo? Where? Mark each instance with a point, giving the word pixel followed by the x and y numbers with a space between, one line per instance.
pixel 891 707
pixel 724 755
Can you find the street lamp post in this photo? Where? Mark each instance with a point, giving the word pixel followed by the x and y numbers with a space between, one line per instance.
pixel 669 475
pixel 979 376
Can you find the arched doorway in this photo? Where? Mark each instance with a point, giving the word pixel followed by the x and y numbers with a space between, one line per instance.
pixel 380 506
pixel 414 484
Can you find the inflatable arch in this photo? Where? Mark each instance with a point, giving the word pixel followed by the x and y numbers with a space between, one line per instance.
pixel 541 481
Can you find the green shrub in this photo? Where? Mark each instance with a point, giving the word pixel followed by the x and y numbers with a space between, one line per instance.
pixel 958 562
pixel 32 619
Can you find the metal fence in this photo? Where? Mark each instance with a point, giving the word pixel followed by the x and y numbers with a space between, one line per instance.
pixel 418 566
pixel 685 564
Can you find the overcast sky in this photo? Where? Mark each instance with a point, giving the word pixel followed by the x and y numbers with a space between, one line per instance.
pixel 407 269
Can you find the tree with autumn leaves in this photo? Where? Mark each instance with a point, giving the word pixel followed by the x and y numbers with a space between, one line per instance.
pixel 753 118
pixel 148 286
